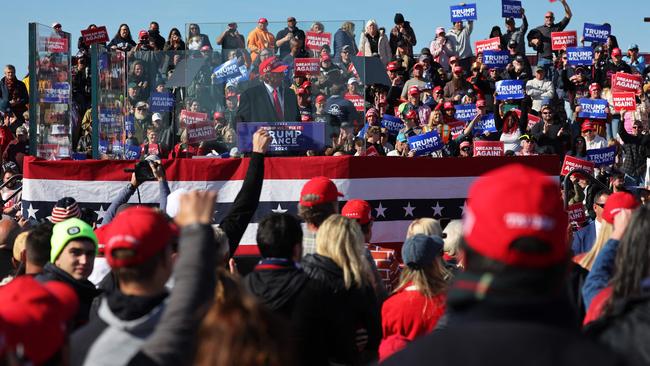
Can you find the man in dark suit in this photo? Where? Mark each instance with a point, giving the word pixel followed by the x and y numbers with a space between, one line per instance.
pixel 269 101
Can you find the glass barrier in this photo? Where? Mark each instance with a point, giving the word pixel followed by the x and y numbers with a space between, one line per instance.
pixel 51 118
pixel 111 102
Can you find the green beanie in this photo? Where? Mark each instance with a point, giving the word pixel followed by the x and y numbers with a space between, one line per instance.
pixel 67 230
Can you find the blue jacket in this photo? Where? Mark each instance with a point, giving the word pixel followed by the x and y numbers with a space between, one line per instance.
pixel 342 38
pixel 601 271
pixel 584 239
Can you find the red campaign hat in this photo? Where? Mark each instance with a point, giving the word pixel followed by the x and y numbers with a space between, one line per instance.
pixel 419 65
pixel 411 114
pixel 392 66
pixel 272 64
pixel 617 202
pixel 141 230
pixel 305 118
pixel 143 34
pixel 359 210
pixel 465 144
pixel 436 89
pixel 413 90
pixel 317 191
pixel 35 316
pixel 301 90
pixel 616 52
pixel 263 20
pixel 480 103
pixel 372 112
pixel 218 115
pixel 306 84
pixel 448 105
pixel 587 125
pixel 513 202
pixel 321 99
pixel 458 70
pixel 325 57
pixel 594 86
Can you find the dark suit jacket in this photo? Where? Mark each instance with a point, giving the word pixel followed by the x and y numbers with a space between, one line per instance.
pixel 255 105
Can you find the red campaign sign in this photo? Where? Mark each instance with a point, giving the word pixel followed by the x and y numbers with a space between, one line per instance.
pixel 456 128
pixel 576 213
pixel 532 119
pixel 315 41
pixel 571 163
pixel 487 44
pixel 489 148
pixel 627 82
pixel 358 101
pixel 97 35
pixel 306 66
pixel 562 40
pixel 198 127
pixel 371 151
pixel 624 100
pixel 55 44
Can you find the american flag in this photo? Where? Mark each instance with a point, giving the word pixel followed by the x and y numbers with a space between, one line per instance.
pixel 398 189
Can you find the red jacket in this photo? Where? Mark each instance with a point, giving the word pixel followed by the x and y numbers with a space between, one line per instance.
pixel 185 151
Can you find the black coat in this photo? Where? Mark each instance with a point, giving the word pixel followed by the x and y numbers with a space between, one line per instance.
pixel 255 105
pixel 355 308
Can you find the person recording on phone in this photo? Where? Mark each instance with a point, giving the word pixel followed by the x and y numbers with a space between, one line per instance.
pixel 230 39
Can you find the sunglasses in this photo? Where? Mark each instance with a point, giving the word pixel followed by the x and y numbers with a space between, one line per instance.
pixel 142 108
pixel 587 131
pixel 549 17
pixel 546 113
pixel 465 149
pixel 601 205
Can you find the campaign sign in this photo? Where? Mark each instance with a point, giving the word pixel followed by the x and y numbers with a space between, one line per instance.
pixel 198 127
pixel 510 9
pixel 97 35
pixel 129 124
pixel 226 71
pixel 306 66
pixel 109 118
pixel 623 100
pixel 358 101
pixel 487 44
pixel 562 40
pixel 510 89
pixel 571 163
pixel 486 124
pixel 497 59
pixel 59 94
pixel 426 143
pixel 460 13
pixel 465 112
pixel 576 213
pixel 161 102
pixel 592 108
pixel 596 32
pixel 456 128
pixel 392 124
pixel 286 136
pixel 580 56
pixel 132 152
pixel 315 41
pixel 54 44
pixel 103 146
pixel 362 132
pixel 626 82
pixel 602 157
pixel 489 148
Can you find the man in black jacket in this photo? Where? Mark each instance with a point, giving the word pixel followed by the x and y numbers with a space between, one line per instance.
pixel 635 150
pixel 540 38
pixel 510 305
pixel 269 101
pixel 285 289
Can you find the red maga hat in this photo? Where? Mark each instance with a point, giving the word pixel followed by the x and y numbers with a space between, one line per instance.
pixel 317 191
pixel 617 202
pixel 359 210
pixel 272 64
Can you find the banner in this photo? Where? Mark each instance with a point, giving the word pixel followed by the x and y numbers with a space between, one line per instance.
pixel 53 44
pixel 306 66
pixel 562 40
pixel 592 108
pixel 97 35
pixel 580 56
pixel 489 148
pixel 497 59
pixel 627 82
pixel 198 127
pixel 602 157
pixel 510 9
pixel 456 128
pixel 577 214
pixel 487 44
pixel 623 100
pixel 58 94
pixel 596 32
pixel 227 71
pixel 315 41
pixel 161 102
pixel 358 101
pixel 426 143
pixel 465 112
pixel 132 152
pixel 287 136
pixel 392 124
pixel 570 163
pixel 486 124
pixel 461 13
pixel 509 89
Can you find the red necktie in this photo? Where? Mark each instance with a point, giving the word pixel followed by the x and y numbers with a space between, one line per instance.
pixel 278 107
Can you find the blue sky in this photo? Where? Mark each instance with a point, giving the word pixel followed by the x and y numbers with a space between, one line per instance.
pixel 425 16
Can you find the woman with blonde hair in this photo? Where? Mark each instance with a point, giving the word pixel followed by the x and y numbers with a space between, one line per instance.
pixel 339 265
pixel 588 259
pixel 426 226
pixel 419 300
pixel 375 43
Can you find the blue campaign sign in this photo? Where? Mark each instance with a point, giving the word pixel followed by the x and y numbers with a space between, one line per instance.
pixel 486 124
pixel 465 112
pixel 510 9
pixel 580 56
pixel 132 152
pixel 426 143
pixel 392 124
pixel 226 71
pixel 103 146
pixel 362 132
pixel 602 157
pixel 510 89
pixel 129 124
pixel 460 13
pixel 161 102
pixel 79 156
pixel 286 136
pixel 596 32
pixel 498 59
pixel 592 108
